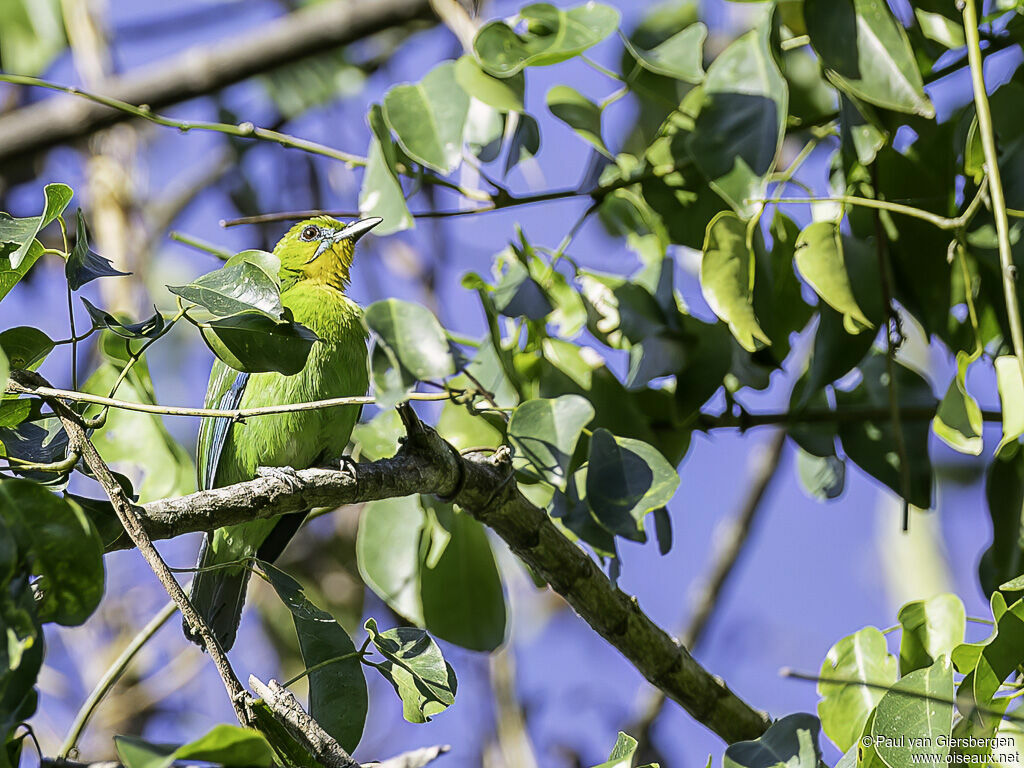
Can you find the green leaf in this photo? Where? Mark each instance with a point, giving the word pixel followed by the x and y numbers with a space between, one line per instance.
pixel 726 280
pixel 866 52
pixel 226 745
pixel 544 433
pixel 429 118
pixel 462 596
pixel 518 294
pixel 337 691
pixel 63 548
pixel 1004 493
pixel 379 437
pixel 791 742
pixel 822 477
pixel 525 141
pixel 505 94
pixel 25 347
pixel 623 753
pixel 626 479
pixel 738 133
pixel 144 329
pixel 862 657
pixel 821 257
pixel 32 36
pixel 21 233
pixel 958 422
pixel 388 553
pixel 551 36
pixel 156 463
pixel 239 287
pixel 931 628
pixel 415 667
pixel 1011 398
pixel 918 707
pixel 83 265
pixel 253 342
pixel 9 275
pixel 409 345
pixel 680 56
pixel 871 444
pixel 994 660
pixel 381 192
pixel 579 113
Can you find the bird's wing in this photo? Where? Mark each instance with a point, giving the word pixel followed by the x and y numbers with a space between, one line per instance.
pixel 225 392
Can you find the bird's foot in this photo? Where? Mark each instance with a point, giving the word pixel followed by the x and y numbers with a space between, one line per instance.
pixel 286 475
pixel 347 466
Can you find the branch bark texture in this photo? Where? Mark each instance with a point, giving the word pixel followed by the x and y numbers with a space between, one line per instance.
pixel 201 70
pixel 484 486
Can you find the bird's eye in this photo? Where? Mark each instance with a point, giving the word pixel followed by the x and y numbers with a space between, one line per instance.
pixel 309 233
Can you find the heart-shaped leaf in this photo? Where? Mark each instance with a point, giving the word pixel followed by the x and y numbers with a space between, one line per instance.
pixel 21 233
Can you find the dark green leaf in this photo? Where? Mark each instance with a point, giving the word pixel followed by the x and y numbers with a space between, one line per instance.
pixel 738 132
pixel 25 347
pixel 544 433
pixel 21 233
pixel 871 443
pixel 866 52
pixel 429 118
pixel 1004 492
pixel 518 294
pixel 414 666
pixel 679 57
pixel 9 275
pixel 83 265
pixel 552 35
pixel 253 342
pixel 63 548
pixel 791 741
pixel 626 479
pixel 337 691
pixel 234 288
pixel 388 553
pixel 144 329
pixel 525 141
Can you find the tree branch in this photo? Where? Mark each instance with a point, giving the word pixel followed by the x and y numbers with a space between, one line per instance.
pixel 483 485
pixel 203 70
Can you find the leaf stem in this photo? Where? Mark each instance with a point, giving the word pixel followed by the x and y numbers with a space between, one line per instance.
pixel 988 144
pixel 320 665
pixel 112 675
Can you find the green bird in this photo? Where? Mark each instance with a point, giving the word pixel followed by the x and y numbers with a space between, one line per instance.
pixel 316 257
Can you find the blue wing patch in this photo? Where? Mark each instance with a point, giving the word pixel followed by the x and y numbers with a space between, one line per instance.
pixel 219 428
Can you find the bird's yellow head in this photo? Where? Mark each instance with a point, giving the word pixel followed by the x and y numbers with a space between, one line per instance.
pixel 321 249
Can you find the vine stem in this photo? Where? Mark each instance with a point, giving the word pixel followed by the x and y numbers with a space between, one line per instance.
pixel 208 413
pixel 942 222
pixel 988 144
pixel 112 675
pixel 242 130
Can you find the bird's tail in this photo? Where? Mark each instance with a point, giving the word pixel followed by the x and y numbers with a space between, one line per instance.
pixel 218 593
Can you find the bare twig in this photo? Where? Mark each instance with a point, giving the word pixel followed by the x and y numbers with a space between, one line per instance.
pixel 205 69
pixel 133 526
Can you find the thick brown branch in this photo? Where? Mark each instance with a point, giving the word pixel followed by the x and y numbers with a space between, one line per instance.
pixel 203 70
pixel 482 485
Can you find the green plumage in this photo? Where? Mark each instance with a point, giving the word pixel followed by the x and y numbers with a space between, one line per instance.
pixel 315 259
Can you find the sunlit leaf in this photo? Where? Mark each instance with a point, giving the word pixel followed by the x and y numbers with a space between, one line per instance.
pixel 25 347
pixel 381 192
pixel 821 254
pixel 791 741
pixel 551 35
pixel 337 691
pixel 931 628
pixel 19 234
pixel 415 667
pixel 239 287
pixel 918 707
pixel 679 57
pixel 226 745
pixel 1011 398
pixel 505 94
pixel 959 421
pixel 579 113
pixel 544 433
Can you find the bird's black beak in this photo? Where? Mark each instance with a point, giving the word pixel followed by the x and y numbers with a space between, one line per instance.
pixel 357 229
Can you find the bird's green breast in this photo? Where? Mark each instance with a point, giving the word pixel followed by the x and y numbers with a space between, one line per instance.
pixel 336 367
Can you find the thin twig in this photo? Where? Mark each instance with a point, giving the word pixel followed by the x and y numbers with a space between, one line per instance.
pixel 988 144
pixel 243 130
pixel 129 518
pixel 112 675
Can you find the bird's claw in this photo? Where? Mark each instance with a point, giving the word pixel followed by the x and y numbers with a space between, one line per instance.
pixel 286 475
pixel 347 466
